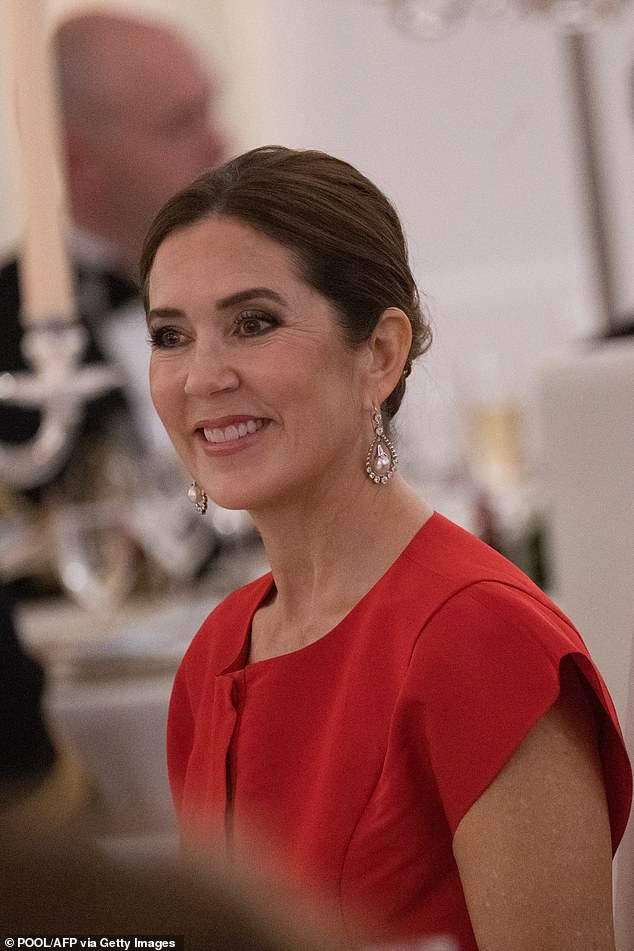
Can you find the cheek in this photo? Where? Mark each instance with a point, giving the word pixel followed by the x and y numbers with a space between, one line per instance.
pixel 164 393
pixel 331 400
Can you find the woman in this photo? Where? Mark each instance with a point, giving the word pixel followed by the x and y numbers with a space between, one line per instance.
pixel 395 710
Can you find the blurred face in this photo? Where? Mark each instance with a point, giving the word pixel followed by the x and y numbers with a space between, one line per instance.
pixel 156 132
pixel 249 372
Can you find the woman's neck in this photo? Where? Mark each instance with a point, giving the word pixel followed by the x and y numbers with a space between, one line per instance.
pixel 326 553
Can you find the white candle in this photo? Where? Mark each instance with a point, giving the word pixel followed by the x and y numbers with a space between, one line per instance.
pixel 45 274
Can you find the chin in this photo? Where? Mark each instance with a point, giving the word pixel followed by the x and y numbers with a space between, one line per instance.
pixel 247 495
pixel 231 501
pixel 235 497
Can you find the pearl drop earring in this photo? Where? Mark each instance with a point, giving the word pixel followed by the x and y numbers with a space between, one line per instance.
pixel 382 460
pixel 198 496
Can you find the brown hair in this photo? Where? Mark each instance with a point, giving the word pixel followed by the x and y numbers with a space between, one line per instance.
pixel 343 232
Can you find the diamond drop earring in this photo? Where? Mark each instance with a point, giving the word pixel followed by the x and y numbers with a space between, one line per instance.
pixel 198 496
pixel 382 460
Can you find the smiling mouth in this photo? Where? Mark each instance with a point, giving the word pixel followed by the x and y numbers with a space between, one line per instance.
pixel 234 432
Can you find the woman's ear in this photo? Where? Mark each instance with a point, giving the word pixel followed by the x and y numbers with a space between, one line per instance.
pixel 388 346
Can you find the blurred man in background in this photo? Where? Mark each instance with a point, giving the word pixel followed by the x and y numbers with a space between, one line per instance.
pixel 139 124
pixel 140 121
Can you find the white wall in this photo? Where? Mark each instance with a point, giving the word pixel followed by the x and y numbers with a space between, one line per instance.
pixel 472 136
pixel 612 88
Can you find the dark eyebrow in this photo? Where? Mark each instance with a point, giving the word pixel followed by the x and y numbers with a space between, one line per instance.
pixel 251 293
pixel 169 313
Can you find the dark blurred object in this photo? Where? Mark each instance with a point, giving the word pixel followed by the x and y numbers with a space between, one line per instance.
pixel 42 786
pixel 27 753
pixel 623 328
pixel 19 425
pixel 516 526
pixel 107 419
pixel 55 885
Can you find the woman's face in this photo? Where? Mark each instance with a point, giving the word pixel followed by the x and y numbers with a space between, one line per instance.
pixel 249 370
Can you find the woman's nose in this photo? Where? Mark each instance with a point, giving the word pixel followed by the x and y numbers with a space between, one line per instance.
pixel 210 373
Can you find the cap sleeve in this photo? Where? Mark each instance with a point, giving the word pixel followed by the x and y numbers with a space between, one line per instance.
pixel 484 670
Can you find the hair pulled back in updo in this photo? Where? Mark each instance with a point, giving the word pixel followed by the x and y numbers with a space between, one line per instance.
pixel 341 229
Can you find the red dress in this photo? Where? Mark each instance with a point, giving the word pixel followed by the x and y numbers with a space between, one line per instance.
pixel 356 757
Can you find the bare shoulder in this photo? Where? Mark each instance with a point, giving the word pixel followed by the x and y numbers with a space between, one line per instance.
pixel 534 851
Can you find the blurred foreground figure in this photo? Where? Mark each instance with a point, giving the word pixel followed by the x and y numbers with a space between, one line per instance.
pixel 138 124
pixel 60 887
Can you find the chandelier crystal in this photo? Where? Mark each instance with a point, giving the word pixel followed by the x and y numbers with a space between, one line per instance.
pixel 428 19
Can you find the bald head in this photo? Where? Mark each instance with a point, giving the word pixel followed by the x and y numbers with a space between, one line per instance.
pixel 138 112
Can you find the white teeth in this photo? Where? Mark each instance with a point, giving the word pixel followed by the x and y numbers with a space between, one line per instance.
pixel 231 433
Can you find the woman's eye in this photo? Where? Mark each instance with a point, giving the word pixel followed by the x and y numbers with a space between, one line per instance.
pixel 165 338
pixel 254 325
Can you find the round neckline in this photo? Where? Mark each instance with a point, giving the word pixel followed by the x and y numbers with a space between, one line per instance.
pixel 328 636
